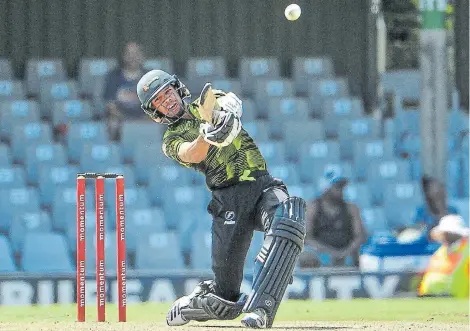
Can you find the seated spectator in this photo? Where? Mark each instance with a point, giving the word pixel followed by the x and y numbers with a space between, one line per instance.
pixel 120 92
pixel 448 269
pixel 435 205
pixel 334 227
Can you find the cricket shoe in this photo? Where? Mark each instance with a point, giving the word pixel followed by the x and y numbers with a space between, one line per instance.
pixel 257 319
pixel 174 316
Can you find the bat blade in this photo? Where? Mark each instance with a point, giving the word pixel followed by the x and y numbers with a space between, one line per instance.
pixel 207 103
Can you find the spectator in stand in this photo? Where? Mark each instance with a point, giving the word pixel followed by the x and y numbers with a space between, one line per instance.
pixel 448 269
pixel 120 94
pixel 334 227
pixel 435 206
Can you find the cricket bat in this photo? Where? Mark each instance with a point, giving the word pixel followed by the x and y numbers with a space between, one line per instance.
pixel 207 103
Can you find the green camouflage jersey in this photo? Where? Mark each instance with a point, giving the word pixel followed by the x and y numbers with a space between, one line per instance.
pixel 239 161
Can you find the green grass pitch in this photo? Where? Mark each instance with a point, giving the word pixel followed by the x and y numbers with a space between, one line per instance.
pixel 295 313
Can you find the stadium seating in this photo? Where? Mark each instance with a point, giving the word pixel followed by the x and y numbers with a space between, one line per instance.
pixel 25 223
pixel 11 90
pixel 71 111
pixel 84 134
pixel 296 133
pixel 92 74
pixel 12 177
pixel 17 112
pixel 336 109
pixel 281 110
pixel 325 88
pixel 43 71
pixel 135 133
pixel 226 85
pixel 161 63
pixel 46 253
pixel 43 156
pixel 5 155
pixel 15 201
pixel 52 178
pixel 253 69
pixel 306 69
pixel 7 263
pixel 29 134
pixel 140 222
pixel 160 251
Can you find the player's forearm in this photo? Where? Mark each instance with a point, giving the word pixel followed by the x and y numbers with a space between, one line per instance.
pixel 195 151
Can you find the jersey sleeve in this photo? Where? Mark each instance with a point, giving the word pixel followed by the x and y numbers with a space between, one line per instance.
pixel 171 144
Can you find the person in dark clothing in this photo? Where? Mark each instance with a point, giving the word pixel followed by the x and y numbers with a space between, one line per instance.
pixel 435 205
pixel 122 102
pixel 334 227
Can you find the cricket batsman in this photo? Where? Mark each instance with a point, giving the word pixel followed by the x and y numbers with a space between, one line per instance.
pixel 207 135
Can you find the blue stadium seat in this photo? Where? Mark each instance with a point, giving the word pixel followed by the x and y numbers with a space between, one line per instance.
pixel 46 253
pixel 406 83
pixel 202 251
pixel 17 112
pixel 11 90
pixel 465 175
pixel 126 170
pixel 454 177
pixel 29 134
pixel 191 225
pixel 305 191
pixel 297 133
pixel 228 85
pixel 164 177
pixel 160 251
pixel 409 146
pixel 407 122
pixel 44 155
pixel 51 92
pixel 251 69
pixel 311 152
pixel 383 172
pixel 250 110
pixel 374 219
pixel 287 172
pixel 15 201
pixel 25 223
pixel 6 257
pixel 268 88
pixel 84 134
pixel 134 133
pixel 359 194
pixel 351 131
pixel 159 63
pixel 458 122
pixel 322 167
pixel 148 157
pixel 134 197
pixel 5 155
pixel 336 109
pixel 12 177
pixel 179 199
pixel 6 69
pixel 281 110
pixel 305 69
pixel 64 210
pixel 140 222
pixel 92 74
pixel 100 157
pixel 71 111
pixel 258 130
pixel 272 151
pixel 51 178
pixel 204 69
pixel 321 89
pixel 368 150
pixel 43 71
pixel 406 195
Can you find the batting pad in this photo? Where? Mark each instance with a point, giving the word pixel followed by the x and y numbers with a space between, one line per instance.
pixel 276 261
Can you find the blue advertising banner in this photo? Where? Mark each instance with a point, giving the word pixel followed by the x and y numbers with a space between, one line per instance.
pixel 27 289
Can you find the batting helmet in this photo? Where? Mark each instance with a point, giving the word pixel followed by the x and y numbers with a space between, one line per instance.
pixel 151 84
